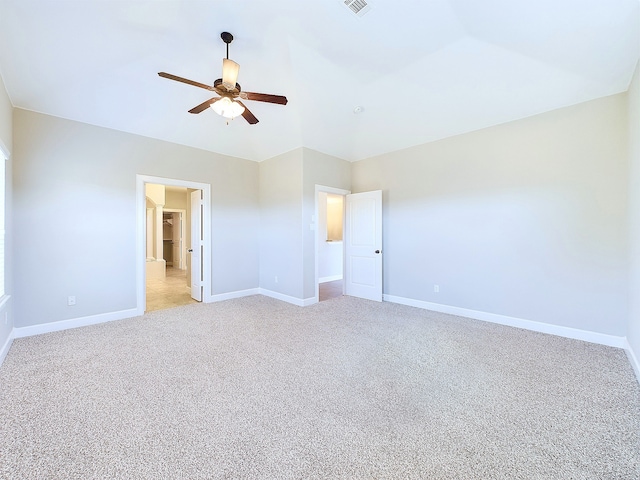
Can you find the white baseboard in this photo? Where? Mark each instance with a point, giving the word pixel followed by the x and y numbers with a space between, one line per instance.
pixel 568 332
pixel 633 359
pixel 309 301
pixel 300 302
pixel 5 348
pixel 73 323
pixel 237 294
pixel 330 278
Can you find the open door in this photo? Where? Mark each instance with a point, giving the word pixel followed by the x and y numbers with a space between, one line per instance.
pixel 363 245
pixel 196 245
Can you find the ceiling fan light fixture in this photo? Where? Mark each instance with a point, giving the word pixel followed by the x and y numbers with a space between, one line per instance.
pixel 227 108
pixel 230 71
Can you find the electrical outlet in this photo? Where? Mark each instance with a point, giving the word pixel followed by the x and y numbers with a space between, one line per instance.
pixel 436 288
pixel 71 300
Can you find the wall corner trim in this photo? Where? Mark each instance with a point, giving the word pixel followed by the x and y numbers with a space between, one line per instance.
pixel 31 330
pixel 300 302
pixel 567 332
pixel 633 359
pixel 7 345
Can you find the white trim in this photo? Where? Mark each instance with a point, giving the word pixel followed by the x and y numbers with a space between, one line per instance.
pixel 4 316
pixel 141 247
pixel 73 323
pixel 7 345
pixel 237 294
pixel 336 191
pixel 4 300
pixel 4 151
pixel 309 301
pixel 567 332
pixel 287 298
pixel 633 359
pixel 330 278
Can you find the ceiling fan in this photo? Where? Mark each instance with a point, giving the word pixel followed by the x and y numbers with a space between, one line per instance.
pixel 228 103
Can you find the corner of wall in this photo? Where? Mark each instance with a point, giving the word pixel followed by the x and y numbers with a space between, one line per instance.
pixel 7 332
pixel 634 359
pixel 6 346
pixel 633 320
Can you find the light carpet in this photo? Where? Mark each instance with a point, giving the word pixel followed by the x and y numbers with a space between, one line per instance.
pixel 258 388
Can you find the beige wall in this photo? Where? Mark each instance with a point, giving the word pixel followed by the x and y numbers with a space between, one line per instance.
pixel 287 208
pixel 633 327
pixel 177 199
pixel 156 193
pixel 281 224
pixel 526 219
pixel 75 195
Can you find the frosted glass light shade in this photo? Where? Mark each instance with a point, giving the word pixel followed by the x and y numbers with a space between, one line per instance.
pixel 227 108
pixel 230 71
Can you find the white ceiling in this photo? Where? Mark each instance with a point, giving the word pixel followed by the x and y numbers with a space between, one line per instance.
pixel 421 70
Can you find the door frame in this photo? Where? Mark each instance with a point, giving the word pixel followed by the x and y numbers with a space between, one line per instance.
pixel 141 234
pixel 336 191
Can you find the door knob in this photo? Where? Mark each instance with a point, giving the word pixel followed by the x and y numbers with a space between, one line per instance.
pixel 190 250
pixel 377 251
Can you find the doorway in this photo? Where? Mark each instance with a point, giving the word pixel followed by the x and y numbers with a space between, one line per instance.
pixel 167 285
pixel 330 208
pixel 168 231
pixel 361 244
pixel 174 229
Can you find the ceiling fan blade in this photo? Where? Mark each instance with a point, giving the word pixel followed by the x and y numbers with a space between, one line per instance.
pixel 264 97
pixel 184 80
pixel 248 116
pixel 204 105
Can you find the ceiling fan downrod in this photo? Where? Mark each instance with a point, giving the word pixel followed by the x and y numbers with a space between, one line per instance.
pixel 226 38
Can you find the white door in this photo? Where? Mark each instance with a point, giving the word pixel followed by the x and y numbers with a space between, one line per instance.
pixel 363 245
pixel 176 239
pixel 196 245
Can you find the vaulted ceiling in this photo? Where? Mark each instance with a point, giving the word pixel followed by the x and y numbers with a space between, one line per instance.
pixel 419 70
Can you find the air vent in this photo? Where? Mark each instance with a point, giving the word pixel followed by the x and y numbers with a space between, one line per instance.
pixel 359 7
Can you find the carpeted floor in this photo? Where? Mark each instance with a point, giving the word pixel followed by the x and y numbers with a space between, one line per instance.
pixel 347 388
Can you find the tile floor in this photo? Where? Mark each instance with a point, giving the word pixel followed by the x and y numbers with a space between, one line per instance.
pixel 330 290
pixel 168 292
